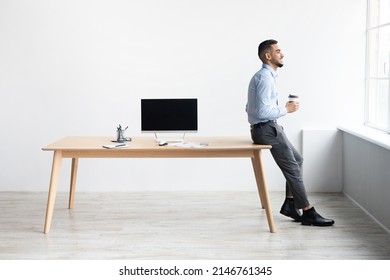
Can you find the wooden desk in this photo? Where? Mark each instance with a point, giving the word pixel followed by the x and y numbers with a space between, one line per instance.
pixel 142 147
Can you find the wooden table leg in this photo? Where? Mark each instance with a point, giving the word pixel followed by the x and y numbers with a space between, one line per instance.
pixel 262 187
pixel 258 180
pixel 55 172
pixel 73 177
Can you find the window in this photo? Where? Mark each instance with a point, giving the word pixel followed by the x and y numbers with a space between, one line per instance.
pixel 377 112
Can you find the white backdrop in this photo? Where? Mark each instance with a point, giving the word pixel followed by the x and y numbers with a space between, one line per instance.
pixel 81 68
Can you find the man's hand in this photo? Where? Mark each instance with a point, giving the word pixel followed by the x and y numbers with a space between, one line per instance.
pixel 292 106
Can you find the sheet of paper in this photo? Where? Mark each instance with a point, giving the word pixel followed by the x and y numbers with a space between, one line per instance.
pixel 189 144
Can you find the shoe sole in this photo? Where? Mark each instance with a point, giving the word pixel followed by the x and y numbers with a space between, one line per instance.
pixel 317 225
pixel 287 215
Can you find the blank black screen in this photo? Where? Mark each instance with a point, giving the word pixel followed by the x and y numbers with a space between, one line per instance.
pixel 169 115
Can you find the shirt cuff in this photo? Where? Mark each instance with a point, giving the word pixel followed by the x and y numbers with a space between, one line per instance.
pixel 283 111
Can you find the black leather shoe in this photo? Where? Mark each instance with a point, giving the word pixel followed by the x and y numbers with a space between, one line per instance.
pixel 288 209
pixel 312 218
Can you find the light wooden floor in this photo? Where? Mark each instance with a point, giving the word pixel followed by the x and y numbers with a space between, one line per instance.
pixel 166 225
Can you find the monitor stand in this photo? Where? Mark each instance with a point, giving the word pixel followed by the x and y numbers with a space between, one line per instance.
pixel 169 139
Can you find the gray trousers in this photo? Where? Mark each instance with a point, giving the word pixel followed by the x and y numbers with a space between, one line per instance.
pixel 286 157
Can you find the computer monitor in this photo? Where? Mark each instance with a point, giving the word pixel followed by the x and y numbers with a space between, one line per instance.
pixel 163 115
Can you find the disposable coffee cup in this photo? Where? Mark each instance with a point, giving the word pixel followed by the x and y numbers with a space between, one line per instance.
pixel 293 98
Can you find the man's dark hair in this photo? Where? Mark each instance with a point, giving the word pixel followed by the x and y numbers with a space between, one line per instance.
pixel 264 46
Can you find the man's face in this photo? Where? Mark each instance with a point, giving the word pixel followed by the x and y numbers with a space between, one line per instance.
pixel 276 56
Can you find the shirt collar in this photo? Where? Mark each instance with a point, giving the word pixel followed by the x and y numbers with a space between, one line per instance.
pixel 273 72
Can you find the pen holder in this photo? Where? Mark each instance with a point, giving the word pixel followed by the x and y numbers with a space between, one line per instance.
pixel 120 135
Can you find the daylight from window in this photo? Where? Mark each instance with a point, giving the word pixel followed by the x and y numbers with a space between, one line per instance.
pixel 378 65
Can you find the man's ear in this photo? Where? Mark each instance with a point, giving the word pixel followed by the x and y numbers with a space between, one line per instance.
pixel 267 56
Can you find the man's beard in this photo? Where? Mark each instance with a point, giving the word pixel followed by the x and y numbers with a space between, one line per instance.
pixel 280 65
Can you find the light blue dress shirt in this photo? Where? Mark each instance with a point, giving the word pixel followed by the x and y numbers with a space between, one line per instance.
pixel 262 103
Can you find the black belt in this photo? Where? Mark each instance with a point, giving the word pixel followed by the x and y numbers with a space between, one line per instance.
pixel 257 125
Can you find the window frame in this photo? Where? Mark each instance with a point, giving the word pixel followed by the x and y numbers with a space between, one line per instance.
pixel 372 58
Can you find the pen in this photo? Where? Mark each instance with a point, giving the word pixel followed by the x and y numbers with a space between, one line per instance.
pixel 120 145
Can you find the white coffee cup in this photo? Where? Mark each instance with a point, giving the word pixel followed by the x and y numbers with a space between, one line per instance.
pixel 293 98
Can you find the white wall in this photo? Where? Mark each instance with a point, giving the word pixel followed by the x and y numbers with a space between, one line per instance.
pixel 81 68
pixel 323 159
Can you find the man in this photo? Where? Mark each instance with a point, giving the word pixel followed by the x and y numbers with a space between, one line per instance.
pixel 263 111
